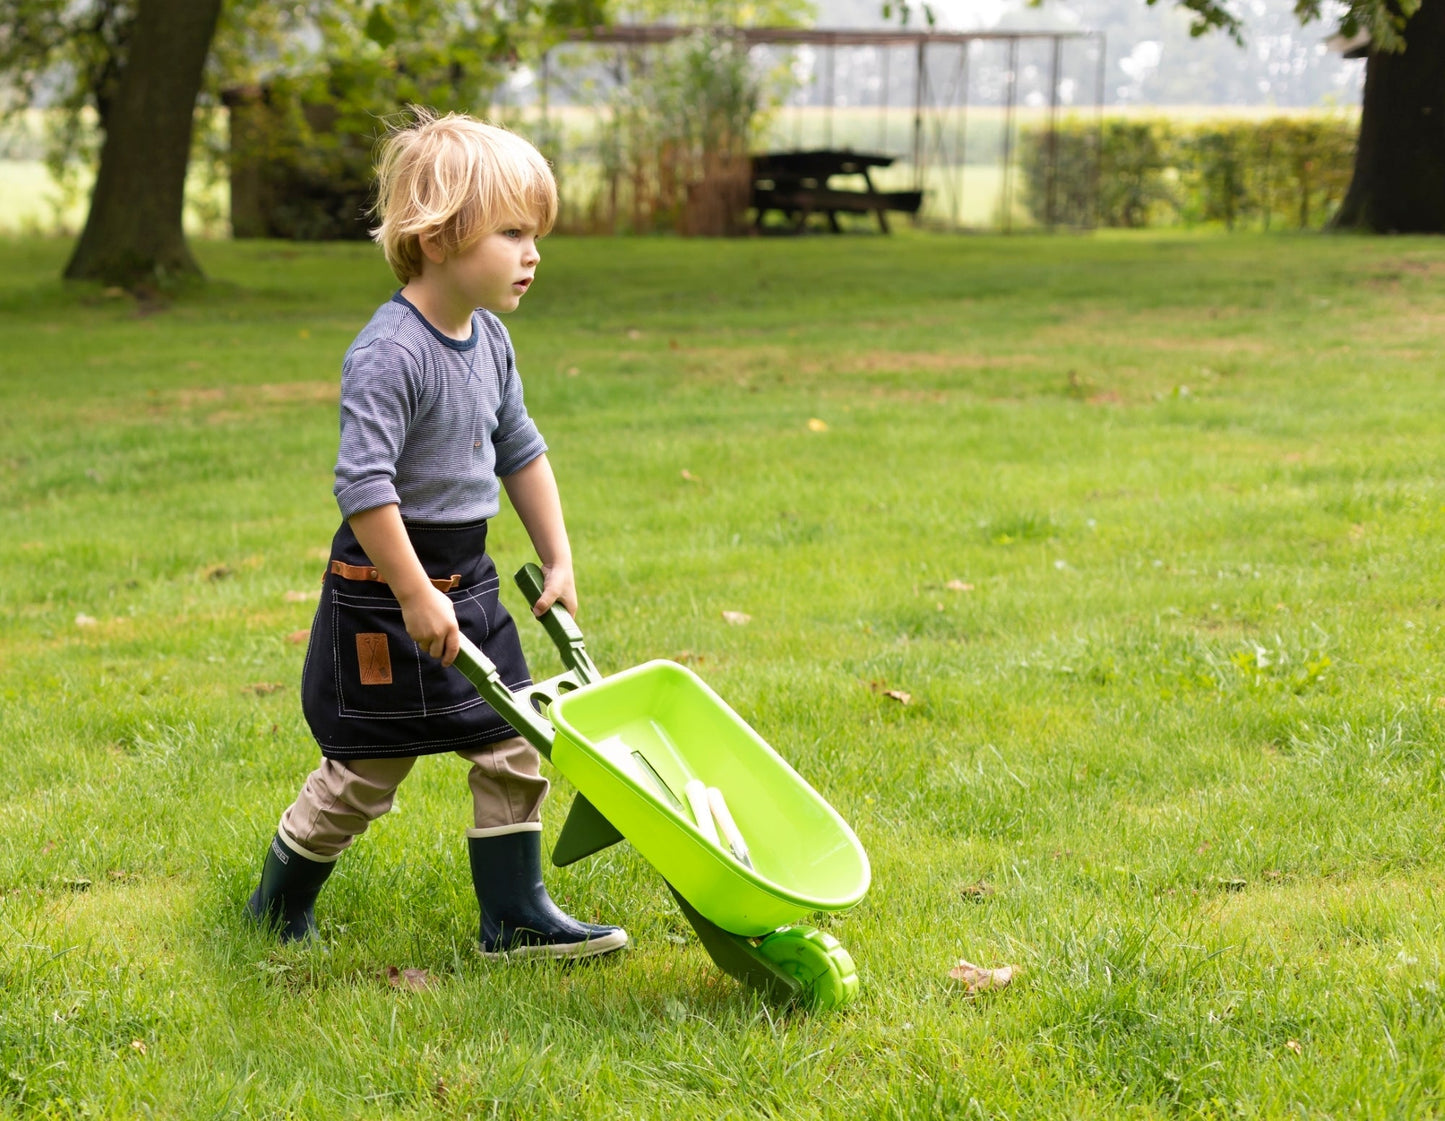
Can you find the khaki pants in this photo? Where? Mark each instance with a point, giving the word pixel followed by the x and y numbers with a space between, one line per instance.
pixel 340 799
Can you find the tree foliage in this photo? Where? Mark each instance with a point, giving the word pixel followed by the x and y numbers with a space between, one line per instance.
pixel 304 122
pixel 359 54
pixel 70 56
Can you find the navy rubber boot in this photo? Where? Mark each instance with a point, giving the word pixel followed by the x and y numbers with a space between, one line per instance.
pixel 286 897
pixel 519 918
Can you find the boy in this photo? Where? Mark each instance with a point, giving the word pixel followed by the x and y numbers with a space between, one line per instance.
pixel 432 418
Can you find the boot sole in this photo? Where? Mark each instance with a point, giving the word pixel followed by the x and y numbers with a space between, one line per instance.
pixel 591 948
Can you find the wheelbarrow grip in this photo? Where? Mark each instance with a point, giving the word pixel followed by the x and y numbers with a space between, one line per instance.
pixel 559 625
pixel 481 671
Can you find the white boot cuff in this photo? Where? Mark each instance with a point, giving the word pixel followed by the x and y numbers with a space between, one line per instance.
pixel 290 842
pixel 503 830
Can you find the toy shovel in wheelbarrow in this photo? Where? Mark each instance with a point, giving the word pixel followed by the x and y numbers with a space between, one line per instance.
pixel 745 845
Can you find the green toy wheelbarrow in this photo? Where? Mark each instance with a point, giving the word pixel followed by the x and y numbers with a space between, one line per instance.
pixel 746 846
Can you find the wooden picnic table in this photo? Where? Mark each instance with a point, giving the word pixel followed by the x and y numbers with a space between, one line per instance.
pixel 799 184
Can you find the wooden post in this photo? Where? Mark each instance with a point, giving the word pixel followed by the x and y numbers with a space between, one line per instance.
pixel 1008 133
pixel 1051 217
pixel 918 83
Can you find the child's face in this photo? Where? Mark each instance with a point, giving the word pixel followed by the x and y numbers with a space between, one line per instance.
pixel 495 272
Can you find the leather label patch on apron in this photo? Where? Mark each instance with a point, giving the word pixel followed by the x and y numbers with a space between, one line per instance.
pixel 374 658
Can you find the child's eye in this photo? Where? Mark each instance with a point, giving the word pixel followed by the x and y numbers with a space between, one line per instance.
pixel 512 233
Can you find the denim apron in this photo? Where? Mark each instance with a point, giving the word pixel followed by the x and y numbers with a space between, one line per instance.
pixel 368 690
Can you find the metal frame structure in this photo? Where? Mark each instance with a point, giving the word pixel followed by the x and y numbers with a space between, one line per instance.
pixel 932 114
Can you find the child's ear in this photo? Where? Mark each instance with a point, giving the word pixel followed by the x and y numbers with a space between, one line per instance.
pixel 431 250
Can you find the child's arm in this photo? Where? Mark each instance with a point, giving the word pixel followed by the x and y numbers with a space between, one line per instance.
pixel 533 492
pixel 428 614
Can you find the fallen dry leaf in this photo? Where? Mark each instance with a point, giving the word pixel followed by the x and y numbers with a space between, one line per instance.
pixel 736 618
pixel 302 597
pixel 138 1045
pixel 978 892
pixel 896 694
pixel 84 620
pixel 414 979
pixel 297 637
pixel 219 572
pixel 977 979
pixel 689 476
pixel 1294 1045
pixel 816 425
pixel 263 688
pixel 958 586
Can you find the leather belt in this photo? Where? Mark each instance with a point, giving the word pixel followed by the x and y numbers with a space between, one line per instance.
pixel 361 572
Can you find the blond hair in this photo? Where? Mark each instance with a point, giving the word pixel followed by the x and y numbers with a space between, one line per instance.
pixel 453 179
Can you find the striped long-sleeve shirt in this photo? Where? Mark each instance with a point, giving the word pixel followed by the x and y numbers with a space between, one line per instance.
pixel 430 422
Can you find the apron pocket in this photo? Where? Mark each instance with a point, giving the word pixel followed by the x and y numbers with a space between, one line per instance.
pixel 381 673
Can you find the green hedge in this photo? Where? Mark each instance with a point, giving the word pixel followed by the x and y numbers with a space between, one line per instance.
pixel 1284 171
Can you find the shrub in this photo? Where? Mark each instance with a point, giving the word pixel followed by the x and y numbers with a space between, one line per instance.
pixel 302 147
pixel 1130 172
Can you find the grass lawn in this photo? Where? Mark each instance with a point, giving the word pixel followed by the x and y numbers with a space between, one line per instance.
pixel 1149 528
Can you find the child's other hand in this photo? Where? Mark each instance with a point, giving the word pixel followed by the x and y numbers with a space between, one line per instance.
pixel 431 620
pixel 558 586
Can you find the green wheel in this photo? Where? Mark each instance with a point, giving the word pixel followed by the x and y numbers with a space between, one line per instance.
pixel 817 961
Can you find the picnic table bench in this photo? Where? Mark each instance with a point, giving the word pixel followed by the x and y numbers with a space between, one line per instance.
pixel 798 184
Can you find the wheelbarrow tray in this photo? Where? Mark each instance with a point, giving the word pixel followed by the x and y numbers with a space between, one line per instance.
pixel 631 742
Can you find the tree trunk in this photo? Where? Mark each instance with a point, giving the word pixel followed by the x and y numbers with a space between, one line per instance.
pixel 1399 180
pixel 133 234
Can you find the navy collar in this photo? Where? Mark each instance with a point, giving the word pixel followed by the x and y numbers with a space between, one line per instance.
pixel 445 340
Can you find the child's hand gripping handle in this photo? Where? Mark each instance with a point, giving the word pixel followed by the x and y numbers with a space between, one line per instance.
pixel 560 626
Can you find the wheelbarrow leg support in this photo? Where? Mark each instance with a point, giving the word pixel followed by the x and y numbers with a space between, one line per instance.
pixel 584 832
pixel 739 958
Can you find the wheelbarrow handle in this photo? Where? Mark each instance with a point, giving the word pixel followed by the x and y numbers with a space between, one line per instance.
pixel 560 626
pixel 481 671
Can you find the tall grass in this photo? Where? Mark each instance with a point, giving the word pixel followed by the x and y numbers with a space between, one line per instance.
pixel 1148 527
